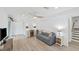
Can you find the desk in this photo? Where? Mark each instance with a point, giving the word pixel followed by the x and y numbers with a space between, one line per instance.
pixel 31 32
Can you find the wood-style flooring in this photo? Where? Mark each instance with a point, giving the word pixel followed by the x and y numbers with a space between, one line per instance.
pixel 21 43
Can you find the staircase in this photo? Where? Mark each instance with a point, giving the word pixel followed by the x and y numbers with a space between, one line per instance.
pixel 75 34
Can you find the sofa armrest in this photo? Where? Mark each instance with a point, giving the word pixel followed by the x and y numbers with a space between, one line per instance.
pixel 53 36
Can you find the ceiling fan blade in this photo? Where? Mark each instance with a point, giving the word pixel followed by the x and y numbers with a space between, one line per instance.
pixel 46 7
pixel 40 16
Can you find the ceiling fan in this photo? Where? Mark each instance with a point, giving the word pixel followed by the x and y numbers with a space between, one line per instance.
pixel 39 16
pixel 11 18
pixel 35 15
pixel 46 7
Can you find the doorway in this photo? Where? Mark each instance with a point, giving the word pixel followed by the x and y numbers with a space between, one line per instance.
pixel 75 28
pixel 74 31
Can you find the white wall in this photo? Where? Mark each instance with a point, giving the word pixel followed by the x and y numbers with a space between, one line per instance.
pixel 3 19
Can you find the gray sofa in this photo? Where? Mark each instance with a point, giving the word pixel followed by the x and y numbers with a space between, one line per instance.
pixel 46 38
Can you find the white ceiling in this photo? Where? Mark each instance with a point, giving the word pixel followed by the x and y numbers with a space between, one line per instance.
pixel 30 11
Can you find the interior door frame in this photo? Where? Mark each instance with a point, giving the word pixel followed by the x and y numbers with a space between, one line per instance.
pixel 70 23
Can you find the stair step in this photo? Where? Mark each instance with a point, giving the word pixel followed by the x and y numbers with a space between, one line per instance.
pixel 75 28
pixel 76 39
pixel 75 32
pixel 76 36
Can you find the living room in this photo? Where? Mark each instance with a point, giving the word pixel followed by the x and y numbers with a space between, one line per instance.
pixel 23 23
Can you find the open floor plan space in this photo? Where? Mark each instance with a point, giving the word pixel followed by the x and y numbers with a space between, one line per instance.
pixel 39 29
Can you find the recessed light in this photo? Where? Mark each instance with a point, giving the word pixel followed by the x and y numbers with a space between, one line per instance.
pixel 34 17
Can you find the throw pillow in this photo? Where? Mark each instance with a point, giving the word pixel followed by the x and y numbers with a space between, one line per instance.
pixel 50 34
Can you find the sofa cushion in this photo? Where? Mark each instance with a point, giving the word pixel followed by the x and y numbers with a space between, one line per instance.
pixel 45 34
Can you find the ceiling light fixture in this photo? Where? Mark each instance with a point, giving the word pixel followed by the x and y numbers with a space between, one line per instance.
pixel 34 17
